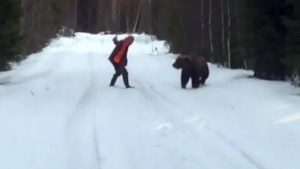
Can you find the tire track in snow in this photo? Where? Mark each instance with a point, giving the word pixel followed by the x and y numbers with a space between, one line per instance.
pixel 204 130
pixel 216 133
pixel 243 153
pixel 81 130
pixel 96 141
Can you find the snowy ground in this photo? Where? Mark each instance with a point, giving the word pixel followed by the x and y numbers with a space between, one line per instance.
pixel 57 112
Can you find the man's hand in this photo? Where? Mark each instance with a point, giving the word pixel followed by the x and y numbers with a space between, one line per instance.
pixel 115 40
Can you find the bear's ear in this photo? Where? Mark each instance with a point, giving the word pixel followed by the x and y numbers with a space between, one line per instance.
pixel 187 59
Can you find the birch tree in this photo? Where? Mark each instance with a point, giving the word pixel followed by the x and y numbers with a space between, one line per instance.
pixel 223 29
pixel 210 32
pixel 229 35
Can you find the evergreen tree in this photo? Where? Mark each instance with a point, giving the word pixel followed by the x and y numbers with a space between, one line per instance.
pixel 265 37
pixel 175 28
pixel 10 38
pixel 293 37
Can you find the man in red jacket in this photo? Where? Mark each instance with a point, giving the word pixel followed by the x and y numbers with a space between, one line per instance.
pixel 118 58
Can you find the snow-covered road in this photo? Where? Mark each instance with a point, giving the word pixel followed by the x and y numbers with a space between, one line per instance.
pixel 57 111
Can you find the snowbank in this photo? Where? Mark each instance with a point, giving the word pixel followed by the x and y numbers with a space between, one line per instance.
pixel 43 62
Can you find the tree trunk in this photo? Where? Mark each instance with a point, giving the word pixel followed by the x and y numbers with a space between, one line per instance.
pixel 229 35
pixel 210 32
pixel 74 23
pixel 202 25
pixel 223 31
pixel 137 18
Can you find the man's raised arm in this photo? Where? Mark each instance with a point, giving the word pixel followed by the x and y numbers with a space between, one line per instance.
pixel 115 40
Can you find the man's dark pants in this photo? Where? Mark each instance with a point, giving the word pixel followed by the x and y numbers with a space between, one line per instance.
pixel 120 70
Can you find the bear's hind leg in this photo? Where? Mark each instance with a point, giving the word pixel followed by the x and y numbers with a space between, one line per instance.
pixel 202 81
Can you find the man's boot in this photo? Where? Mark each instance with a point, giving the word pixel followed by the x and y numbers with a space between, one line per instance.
pixel 126 81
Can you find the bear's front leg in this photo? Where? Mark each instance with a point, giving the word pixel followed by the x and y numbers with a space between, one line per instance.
pixel 184 79
pixel 195 81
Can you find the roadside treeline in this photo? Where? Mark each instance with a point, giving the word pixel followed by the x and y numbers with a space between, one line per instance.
pixel 261 35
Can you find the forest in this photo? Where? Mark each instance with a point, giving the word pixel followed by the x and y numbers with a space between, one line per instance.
pixel 258 35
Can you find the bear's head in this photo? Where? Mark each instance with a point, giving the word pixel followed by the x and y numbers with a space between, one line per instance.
pixel 181 61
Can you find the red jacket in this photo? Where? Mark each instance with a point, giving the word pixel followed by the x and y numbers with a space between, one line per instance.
pixel 119 54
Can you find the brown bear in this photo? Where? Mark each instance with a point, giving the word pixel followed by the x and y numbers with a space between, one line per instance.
pixel 194 67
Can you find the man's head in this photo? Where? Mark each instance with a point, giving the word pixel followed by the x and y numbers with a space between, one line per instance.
pixel 129 40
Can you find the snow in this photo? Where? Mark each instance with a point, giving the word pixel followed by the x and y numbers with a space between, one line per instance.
pixel 57 111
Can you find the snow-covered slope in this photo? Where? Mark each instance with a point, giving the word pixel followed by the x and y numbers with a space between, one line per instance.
pixel 58 112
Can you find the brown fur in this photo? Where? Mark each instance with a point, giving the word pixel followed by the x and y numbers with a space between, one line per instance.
pixel 192 67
